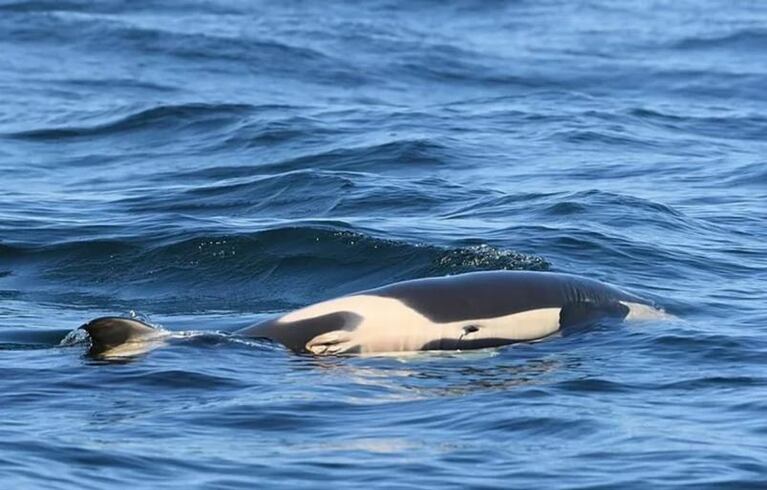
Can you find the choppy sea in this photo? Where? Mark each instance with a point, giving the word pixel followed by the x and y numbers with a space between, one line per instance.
pixel 205 164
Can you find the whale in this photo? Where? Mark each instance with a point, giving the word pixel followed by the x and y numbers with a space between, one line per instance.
pixel 474 310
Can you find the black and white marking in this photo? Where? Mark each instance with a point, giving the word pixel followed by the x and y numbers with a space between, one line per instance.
pixel 467 311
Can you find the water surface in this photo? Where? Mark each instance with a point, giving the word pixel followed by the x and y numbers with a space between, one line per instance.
pixel 209 163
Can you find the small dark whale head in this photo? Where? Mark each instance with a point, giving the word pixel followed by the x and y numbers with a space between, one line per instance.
pixel 110 332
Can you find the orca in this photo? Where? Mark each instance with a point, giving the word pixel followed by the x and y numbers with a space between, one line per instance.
pixel 466 311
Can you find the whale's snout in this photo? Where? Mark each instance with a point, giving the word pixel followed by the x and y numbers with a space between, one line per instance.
pixel 118 336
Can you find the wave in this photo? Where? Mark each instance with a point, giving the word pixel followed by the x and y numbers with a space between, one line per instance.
pixel 402 152
pixel 752 174
pixel 185 45
pixel 44 6
pixel 353 162
pixel 167 117
pixel 275 268
pixel 730 126
pixel 739 40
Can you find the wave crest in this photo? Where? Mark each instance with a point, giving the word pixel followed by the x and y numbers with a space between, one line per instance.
pixel 270 269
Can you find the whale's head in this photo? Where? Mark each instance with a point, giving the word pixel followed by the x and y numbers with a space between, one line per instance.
pixel 113 336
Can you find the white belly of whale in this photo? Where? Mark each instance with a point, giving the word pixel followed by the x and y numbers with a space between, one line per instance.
pixel 388 325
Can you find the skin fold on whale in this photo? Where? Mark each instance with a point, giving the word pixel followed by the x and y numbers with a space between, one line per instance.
pixel 466 311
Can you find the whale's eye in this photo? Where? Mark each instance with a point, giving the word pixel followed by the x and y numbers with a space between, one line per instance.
pixel 470 329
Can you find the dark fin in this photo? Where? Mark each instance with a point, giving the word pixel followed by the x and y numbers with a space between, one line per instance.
pixel 109 332
pixel 580 314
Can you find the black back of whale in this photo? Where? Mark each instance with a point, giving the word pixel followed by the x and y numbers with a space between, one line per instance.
pixel 494 294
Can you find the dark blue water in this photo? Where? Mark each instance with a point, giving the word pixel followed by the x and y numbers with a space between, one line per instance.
pixel 207 163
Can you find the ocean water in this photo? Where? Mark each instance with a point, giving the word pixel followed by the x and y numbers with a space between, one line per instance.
pixel 208 163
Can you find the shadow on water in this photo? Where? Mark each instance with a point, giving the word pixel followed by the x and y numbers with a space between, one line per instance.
pixel 438 374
